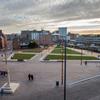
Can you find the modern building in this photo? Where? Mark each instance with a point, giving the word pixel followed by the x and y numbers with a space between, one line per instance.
pixel 73 36
pixel 91 42
pixel 64 34
pixel 35 35
pixel 88 40
pixel 55 36
pixel 41 37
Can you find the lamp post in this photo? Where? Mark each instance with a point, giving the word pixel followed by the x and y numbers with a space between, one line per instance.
pixel 62 65
pixel 5 53
pixel 8 87
pixel 65 54
pixel 81 55
pixel 63 33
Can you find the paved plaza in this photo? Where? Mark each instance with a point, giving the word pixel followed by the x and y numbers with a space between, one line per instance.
pixel 43 87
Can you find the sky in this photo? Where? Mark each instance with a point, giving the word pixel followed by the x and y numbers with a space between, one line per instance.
pixel 17 15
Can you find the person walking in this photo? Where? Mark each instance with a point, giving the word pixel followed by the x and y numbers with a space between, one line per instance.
pixel 86 63
pixel 32 77
pixel 29 76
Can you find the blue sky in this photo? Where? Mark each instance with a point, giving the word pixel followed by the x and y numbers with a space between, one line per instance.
pixel 17 15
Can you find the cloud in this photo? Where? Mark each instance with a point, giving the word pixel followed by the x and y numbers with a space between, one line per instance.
pixel 42 12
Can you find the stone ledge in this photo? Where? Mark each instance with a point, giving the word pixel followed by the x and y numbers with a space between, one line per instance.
pixel 5 89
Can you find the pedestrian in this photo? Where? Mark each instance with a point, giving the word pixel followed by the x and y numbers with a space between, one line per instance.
pixel 85 62
pixel 32 77
pixel 1 92
pixel 29 76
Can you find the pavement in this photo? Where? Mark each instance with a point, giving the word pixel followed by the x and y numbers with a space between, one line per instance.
pixel 45 76
pixel 86 52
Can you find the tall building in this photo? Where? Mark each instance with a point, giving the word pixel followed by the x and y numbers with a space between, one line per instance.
pixel 64 33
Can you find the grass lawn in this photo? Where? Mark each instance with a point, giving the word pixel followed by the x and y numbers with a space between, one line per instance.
pixel 59 46
pixel 36 50
pixel 69 51
pixel 22 56
pixel 58 57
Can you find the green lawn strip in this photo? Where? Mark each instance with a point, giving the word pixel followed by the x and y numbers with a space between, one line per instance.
pixel 22 56
pixel 59 57
pixel 69 51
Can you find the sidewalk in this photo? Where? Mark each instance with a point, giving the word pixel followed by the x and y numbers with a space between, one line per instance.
pixel 46 52
pixel 86 52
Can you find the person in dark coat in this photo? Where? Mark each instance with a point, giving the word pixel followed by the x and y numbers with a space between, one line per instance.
pixel 29 76
pixel 32 77
pixel 85 62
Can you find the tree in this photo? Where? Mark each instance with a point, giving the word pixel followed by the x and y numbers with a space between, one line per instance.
pixel 33 44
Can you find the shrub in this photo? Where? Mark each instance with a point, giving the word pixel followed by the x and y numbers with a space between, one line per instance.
pixel 33 44
pixel 20 60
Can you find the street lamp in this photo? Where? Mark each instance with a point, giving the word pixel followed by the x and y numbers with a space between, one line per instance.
pixel 63 33
pixel 8 87
pixel 5 53
pixel 62 64
pixel 62 58
pixel 65 43
pixel 81 55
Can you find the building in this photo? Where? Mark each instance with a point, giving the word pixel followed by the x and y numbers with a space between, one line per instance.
pixel 88 40
pixel 41 37
pixel 35 35
pixel 73 36
pixel 45 38
pixel 13 41
pixel 25 36
pixel 64 34
pixel 3 40
pixel 55 36
pixel 16 44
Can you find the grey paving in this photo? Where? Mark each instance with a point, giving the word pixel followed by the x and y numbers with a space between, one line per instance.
pixel 46 74
pixel 85 91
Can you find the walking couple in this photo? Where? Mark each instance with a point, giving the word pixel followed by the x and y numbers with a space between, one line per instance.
pixel 30 77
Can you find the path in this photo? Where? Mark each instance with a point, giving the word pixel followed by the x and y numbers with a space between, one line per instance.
pixel 86 52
